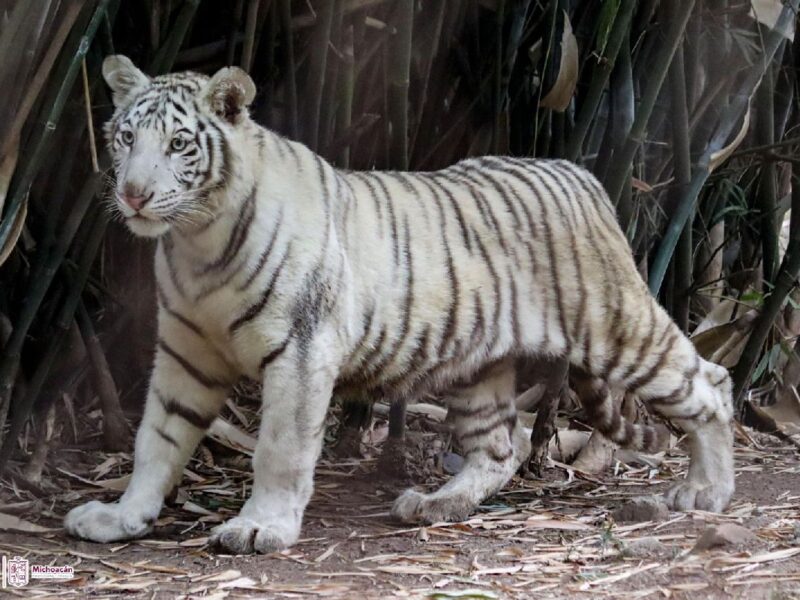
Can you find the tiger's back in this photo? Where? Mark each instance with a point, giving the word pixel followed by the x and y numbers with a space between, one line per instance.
pixel 492 256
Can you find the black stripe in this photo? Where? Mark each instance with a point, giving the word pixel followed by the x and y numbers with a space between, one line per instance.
pixel 176 315
pixel 238 235
pixel 501 421
pixel 366 179
pixel 173 407
pixel 501 191
pixel 392 219
pixel 430 183
pixel 167 245
pixel 376 369
pixel 514 309
pixel 498 298
pixel 653 371
pixel 474 186
pixel 452 179
pixel 492 453
pixel 323 182
pixel 523 177
pixel 262 260
pixel 646 343
pixel 566 198
pixel 193 371
pixel 479 327
pixel 273 355
pixel 451 321
pixel 166 437
pixel 254 309
pixel 585 204
pixel 480 412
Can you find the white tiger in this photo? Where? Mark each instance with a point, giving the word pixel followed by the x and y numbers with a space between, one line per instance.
pixel 274 265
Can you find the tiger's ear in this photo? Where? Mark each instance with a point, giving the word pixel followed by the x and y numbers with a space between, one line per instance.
pixel 123 78
pixel 229 91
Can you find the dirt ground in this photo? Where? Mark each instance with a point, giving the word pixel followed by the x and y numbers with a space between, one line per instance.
pixel 551 538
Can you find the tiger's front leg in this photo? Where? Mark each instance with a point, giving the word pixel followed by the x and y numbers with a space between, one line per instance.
pixel 298 385
pixel 188 387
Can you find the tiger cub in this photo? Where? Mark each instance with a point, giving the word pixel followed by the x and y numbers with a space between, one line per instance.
pixel 274 265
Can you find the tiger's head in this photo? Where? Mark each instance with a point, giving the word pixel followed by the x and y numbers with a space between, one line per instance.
pixel 170 141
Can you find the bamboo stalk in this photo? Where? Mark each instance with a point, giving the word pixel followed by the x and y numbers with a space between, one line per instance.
pixel 63 323
pixel 291 72
pixel 766 191
pixel 34 87
pixel 155 25
pixel 40 152
pixel 785 282
pixel 497 91
pixel 600 74
pixel 321 39
pixel 165 57
pixel 269 64
pixel 249 34
pixel 683 173
pixel 432 53
pixel 331 89
pixel 89 122
pixel 233 33
pixel 399 66
pixel 116 433
pixel 729 120
pixel 344 114
pixel 619 177
pixel 9 363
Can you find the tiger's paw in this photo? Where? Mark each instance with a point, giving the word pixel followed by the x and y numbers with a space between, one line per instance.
pixel 243 535
pixel 100 522
pixel 690 495
pixel 415 507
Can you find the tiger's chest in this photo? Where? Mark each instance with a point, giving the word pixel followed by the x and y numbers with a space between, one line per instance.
pixel 239 316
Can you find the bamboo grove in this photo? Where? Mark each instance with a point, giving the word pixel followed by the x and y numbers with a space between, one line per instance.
pixel 686 111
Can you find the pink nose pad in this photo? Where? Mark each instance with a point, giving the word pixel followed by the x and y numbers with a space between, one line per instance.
pixel 136 202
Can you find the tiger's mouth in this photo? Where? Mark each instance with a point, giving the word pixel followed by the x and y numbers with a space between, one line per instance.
pixel 144 226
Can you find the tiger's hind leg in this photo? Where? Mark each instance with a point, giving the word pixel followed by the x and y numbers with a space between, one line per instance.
pixel 493 442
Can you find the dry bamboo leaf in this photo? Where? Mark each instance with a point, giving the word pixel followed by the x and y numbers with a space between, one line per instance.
pixel 767 12
pixel 466 593
pixel 228 575
pixel 724 344
pixel 560 94
pixel 16 231
pixel 7 167
pixel 231 436
pixel 545 522
pixel 12 523
pixel 721 155
pixel 641 185
pixel 719 315
pixel 240 583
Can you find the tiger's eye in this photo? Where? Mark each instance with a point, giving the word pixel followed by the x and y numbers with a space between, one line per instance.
pixel 127 137
pixel 178 144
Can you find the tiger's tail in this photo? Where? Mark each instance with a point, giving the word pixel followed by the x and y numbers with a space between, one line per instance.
pixel 605 415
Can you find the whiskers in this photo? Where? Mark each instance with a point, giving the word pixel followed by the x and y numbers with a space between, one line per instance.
pixel 184 209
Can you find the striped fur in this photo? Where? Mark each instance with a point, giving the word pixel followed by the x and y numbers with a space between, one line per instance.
pixel 274 265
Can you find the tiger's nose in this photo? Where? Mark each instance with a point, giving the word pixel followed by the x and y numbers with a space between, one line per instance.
pixel 135 198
